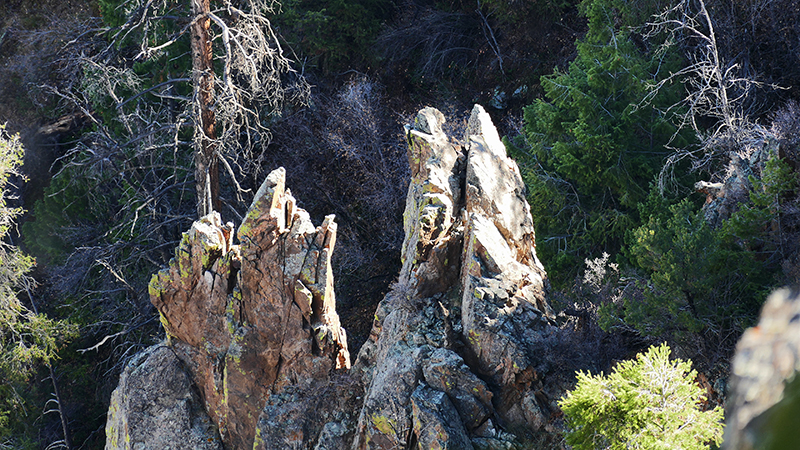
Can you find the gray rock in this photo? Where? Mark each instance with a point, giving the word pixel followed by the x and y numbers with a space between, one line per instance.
pixel 468 311
pixel 429 121
pixel 763 408
pixel 445 371
pixel 436 422
pixel 481 443
pixel 455 352
pixel 332 437
pixel 155 408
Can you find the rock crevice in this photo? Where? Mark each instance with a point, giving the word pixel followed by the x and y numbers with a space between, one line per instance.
pixel 458 335
pixel 456 355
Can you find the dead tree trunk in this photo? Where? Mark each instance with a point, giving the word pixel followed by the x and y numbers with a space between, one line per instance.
pixel 206 161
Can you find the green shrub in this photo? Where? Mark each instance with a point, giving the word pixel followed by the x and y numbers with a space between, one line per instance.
pixel 757 224
pixel 594 146
pixel 694 280
pixel 646 403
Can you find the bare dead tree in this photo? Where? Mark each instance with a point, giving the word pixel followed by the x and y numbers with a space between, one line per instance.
pixel 719 89
pixel 139 164
pixel 206 162
pixel 234 104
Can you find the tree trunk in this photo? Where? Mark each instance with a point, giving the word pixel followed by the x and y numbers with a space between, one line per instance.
pixel 206 163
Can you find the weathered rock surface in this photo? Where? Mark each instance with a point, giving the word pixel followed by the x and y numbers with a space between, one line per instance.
pixel 255 320
pixel 723 198
pixel 456 357
pixel 454 346
pixel 764 402
pixel 155 408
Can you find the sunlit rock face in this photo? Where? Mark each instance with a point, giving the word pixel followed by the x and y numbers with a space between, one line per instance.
pixel 251 320
pixel 458 353
pixel 458 336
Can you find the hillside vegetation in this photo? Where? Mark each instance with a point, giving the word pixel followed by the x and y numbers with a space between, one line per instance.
pixel 659 141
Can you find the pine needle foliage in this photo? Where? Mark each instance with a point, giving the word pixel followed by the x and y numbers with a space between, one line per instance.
pixel 594 149
pixel 650 402
pixel 25 337
pixel 697 281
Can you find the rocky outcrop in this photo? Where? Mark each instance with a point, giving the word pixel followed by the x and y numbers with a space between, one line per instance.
pixel 454 350
pixel 723 198
pixel 764 400
pixel 457 354
pixel 155 407
pixel 255 320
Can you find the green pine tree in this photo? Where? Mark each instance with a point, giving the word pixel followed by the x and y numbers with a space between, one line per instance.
pixel 695 280
pixel 25 337
pixel 594 146
pixel 650 403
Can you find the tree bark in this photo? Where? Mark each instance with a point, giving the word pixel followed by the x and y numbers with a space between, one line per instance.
pixel 206 162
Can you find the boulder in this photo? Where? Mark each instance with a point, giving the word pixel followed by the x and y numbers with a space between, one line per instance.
pixel 155 408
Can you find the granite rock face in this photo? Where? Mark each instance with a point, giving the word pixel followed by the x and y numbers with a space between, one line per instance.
pixel 155 408
pixel 764 402
pixel 456 358
pixel 454 346
pixel 252 320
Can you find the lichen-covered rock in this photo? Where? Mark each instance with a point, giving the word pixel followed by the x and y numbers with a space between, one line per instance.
pixel 764 401
pixel 466 318
pixel 437 425
pixel 155 408
pixel 455 358
pixel 253 319
pixel 322 412
pixel 332 437
pixel 445 371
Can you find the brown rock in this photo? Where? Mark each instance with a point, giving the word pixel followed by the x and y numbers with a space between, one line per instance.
pixel 253 319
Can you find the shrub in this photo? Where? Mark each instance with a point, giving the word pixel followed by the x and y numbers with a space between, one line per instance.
pixel 594 146
pixel 694 281
pixel 646 403
pixel 757 224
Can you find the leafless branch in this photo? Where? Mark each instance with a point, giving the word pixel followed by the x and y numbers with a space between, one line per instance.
pixel 491 40
pixel 717 88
